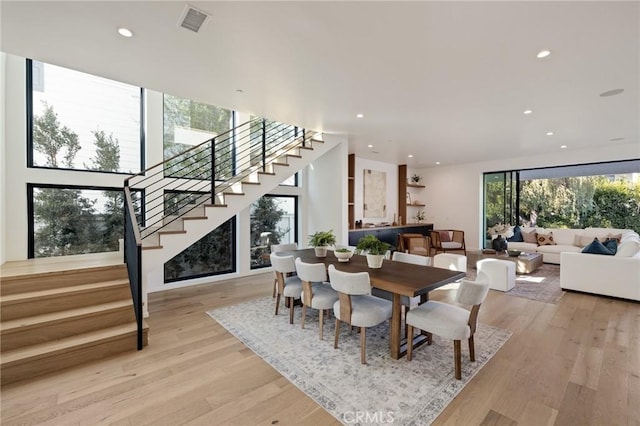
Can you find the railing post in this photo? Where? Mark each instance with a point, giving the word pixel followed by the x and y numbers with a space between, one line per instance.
pixel 264 145
pixel 213 170
pixel 304 137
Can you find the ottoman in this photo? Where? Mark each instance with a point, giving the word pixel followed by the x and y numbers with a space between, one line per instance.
pixel 451 261
pixel 501 273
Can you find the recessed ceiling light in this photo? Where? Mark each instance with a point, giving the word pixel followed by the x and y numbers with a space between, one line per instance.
pixel 616 139
pixel 239 91
pixel 410 155
pixel 611 92
pixel 549 133
pixel 125 32
pixel 360 115
pixel 527 111
pixel 437 162
pixel 563 146
pixel 543 54
pixel 369 146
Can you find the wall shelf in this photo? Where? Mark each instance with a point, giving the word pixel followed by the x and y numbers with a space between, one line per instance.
pixel 415 185
pixel 351 190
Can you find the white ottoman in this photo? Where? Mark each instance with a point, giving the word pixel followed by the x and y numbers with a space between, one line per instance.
pixel 451 261
pixel 501 273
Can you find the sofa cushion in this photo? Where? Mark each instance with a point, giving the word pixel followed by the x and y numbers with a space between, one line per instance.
pixel 517 235
pixel 563 236
pixel 628 248
pixel 558 249
pixel 617 237
pixel 530 237
pixel 546 239
pixel 596 247
pixel 444 236
pixel 611 244
pixel 583 240
pixel 525 247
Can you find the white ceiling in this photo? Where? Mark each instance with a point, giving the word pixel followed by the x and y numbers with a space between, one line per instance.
pixel 444 81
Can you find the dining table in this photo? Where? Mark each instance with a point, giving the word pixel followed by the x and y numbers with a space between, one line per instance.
pixel 398 278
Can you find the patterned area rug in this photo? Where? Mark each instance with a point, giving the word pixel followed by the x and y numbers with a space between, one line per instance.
pixel 384 390
pixel 542 285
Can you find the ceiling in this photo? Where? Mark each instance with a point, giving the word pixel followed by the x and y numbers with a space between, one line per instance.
pixel 443 81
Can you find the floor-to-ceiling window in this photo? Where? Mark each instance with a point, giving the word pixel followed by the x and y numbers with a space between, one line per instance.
pixel 274 220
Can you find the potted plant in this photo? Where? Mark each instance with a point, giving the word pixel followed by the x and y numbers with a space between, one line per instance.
pixel 321 240
pixel 415 179
pixel 343 254
pixel 374 249
pixel 419 217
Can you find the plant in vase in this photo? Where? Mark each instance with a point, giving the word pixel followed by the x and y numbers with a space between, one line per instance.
pixel 415 179
pixel 343 254
pixel 321 240
pixel 419 217
pixel 374 249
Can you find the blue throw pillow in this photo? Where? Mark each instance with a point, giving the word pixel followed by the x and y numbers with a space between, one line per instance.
pixel 517 235
pixel 596 247
pixel 611 244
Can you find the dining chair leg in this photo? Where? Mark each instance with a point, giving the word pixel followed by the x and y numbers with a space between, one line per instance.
pixel 429 338
pixel 363 346
pixel 457 359
pixel 409 342
pixel 275 287
pixel 472 349
pixel 277 302
pixel 321 322
pixel 335 341
pixel 290 309
pixel 304 314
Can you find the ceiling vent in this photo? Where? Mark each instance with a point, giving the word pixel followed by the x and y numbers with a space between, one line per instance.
pixel 193 19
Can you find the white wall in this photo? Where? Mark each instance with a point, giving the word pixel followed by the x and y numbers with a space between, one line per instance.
pixel 392 189
pixel 454 194
pixel 3 162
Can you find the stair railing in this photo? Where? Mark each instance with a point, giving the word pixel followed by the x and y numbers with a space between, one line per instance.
pixel 158 196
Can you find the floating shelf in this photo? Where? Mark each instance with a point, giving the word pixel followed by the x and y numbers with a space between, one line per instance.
pixel 416 205
pixel 415 185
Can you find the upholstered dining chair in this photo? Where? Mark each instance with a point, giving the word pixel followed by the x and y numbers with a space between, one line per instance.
pixel 413 244
pixel 356 306
pixel 450 321
pixel 276 248
pixel 289 287
pixel 446 240
pixel 316 291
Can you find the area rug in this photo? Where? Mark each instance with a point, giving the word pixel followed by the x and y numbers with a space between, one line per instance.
pixel 383 391
pixel 542 285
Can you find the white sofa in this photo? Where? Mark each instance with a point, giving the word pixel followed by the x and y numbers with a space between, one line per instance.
pixel 617 276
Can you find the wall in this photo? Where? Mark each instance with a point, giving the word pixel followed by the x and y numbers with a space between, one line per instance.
pixel 454 194
pixel 3 163
pixel 392 189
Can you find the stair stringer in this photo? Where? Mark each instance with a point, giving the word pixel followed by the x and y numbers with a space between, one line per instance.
pixel 174 243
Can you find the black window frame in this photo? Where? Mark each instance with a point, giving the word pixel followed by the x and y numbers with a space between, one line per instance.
pixel 296 209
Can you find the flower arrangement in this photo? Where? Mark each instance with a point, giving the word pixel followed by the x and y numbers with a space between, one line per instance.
pixel 419 216
pixel 505 230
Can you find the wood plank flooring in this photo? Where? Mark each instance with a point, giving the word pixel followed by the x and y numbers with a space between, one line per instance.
pixel 574 363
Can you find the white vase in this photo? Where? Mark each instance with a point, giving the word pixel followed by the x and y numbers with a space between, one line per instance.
pixel 320 251
pixel 375 260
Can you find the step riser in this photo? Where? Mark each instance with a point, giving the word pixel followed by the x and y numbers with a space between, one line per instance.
pixel 49 281
pixel 60 302
pixel 60 329
pixel 28 368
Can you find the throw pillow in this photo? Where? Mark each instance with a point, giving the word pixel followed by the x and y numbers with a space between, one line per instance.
pixel 444 236
pixel 629 248
pixel 617 237
pixel 611 244
pixel 546 239
pixel 577 240
pixel 585 240
pixel 596 247
pixel 530 237
pixel 517 235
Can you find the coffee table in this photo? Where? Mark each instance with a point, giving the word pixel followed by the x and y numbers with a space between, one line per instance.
pixel 526 263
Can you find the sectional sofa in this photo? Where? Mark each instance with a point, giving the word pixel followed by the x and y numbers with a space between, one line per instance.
pixel 610 275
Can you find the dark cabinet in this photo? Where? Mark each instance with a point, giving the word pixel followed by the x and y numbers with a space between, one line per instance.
pixel 389 234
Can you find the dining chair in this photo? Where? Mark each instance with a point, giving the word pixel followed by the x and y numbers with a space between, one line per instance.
pixel 276 248
pixel 289 287
pixel 450 321
pixel 316 291
pixel 356 306
pixel 413 244
pixel 446 240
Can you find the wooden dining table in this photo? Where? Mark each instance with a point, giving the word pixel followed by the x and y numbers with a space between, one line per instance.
pixel 398 278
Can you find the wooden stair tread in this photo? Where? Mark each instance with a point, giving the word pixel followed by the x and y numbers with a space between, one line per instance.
pixel 233 193
pixel 51 348
pixel 217 205
pixel 60 316
pixel 76 289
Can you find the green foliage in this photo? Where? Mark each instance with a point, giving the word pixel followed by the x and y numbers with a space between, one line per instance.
pixel 370 244
pixel 54 140
pixel 107 157
pixel 322 239
pixel 615 205
pixel 265 216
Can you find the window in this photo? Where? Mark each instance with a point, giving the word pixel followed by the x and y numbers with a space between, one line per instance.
pixel 82 122
pixel 211 255
pixel 74 220
pixel 188 123
pixel 274 220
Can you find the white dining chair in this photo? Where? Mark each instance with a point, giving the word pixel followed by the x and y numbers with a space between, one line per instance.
pixel 450 321
pixel 289 287
pixel 356 306
pixel 276 248
pixel 316 291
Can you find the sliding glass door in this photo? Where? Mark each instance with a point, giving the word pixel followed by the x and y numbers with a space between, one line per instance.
pixel 501 194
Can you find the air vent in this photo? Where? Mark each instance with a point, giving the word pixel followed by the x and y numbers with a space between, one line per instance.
pixel 193 19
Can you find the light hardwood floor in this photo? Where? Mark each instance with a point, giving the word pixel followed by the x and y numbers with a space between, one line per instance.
pixel 574 363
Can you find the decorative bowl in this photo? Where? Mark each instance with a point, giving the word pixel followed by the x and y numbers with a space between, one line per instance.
pixel 514 253
pixel 343 256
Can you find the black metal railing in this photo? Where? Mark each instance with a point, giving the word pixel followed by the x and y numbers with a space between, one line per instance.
pixel 133 259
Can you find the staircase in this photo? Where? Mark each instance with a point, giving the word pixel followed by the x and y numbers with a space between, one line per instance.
pixel 58 319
